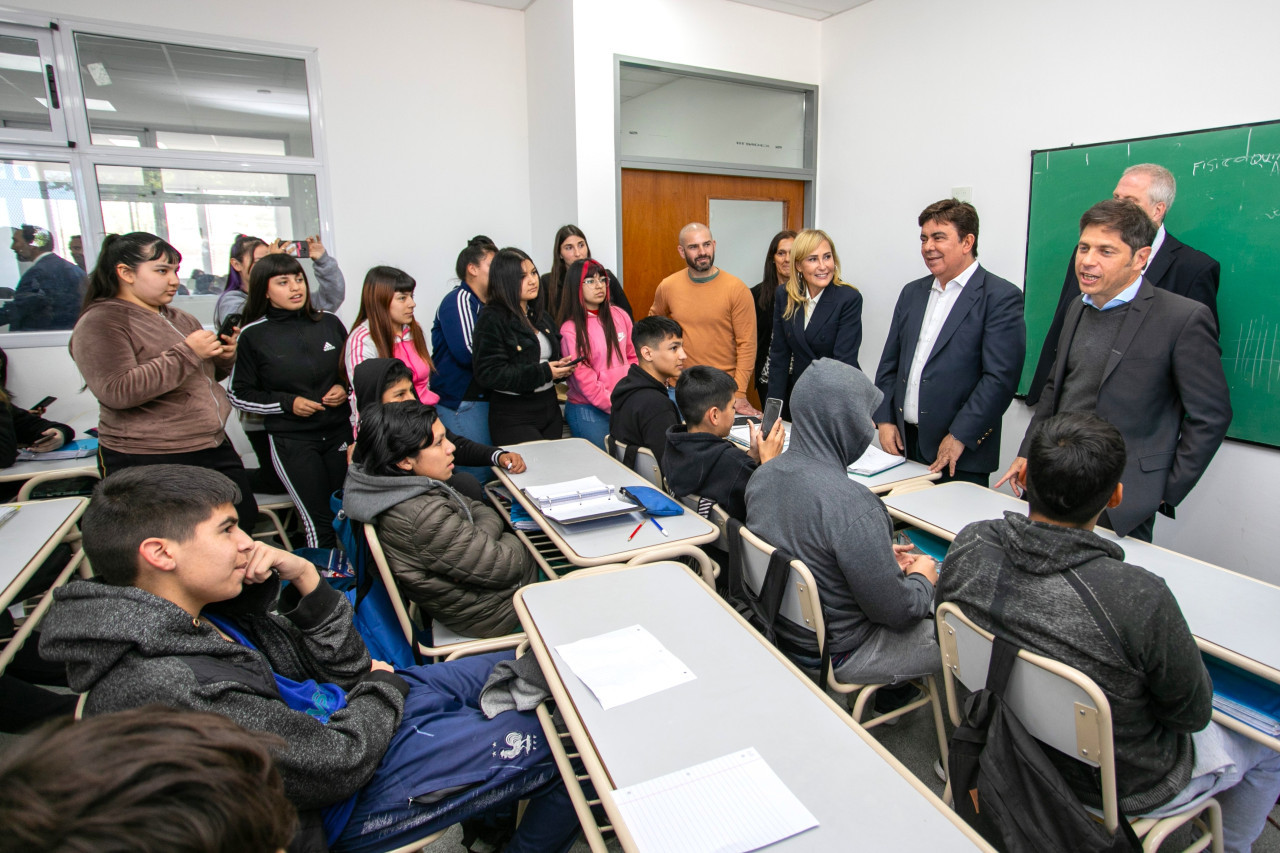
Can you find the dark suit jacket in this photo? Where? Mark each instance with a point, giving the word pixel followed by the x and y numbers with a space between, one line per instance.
pixel 835 331
pixel 1177 268
pixel 971 375
pixel 48 296
pixel 1164 389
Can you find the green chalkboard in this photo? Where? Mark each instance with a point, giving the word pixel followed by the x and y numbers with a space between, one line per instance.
pixel 1228 205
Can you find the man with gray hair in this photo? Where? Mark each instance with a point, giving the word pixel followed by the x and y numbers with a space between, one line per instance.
pixel 714 309
pixel 49 293
pixel 1173 266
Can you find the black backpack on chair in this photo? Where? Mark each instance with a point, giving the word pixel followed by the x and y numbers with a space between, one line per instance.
pixel 1006 788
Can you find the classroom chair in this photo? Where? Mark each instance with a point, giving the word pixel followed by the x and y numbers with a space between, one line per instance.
pixel 546 554
pixel 272 507
pixel 1065 709
pixel 712 512
pixel 445 643
pixel 645 463
pixel 802 605
pixel 25 492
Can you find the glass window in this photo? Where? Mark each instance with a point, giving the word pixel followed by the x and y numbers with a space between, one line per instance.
pixel 30 104
pixel 201 211
pixel 664 115
pixel 147 94
pixel 39 290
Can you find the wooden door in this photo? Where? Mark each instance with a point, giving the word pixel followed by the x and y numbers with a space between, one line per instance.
pixel 656 205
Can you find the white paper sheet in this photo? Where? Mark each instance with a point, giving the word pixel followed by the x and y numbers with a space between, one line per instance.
pixel 731 804
pixel 624 665
pixel 576 500
pixel 742 435
pixel 874 460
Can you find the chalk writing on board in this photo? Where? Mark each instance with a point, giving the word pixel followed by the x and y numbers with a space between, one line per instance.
pixel 1270 162
pixel 1255 363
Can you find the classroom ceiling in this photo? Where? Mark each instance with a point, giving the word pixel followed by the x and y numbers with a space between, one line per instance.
pixel 814 9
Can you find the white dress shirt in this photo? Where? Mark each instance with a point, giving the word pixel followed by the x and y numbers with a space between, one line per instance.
pixel 941 301
pixel 811 303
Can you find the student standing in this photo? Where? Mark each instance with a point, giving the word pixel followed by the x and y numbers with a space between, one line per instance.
pixel 153 368
pixel 385 328
pixel 600 333
pixel 571 247
pixel 517 354
pixel 777 269
pixel 290 371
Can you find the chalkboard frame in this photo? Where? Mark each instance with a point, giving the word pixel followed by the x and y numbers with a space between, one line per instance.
pixel 1033 347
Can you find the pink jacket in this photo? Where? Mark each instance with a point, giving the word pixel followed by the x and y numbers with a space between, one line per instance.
pixel 593 380
pixel 360 346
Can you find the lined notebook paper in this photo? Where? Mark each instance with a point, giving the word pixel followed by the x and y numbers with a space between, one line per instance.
pixel 624 665
pixel 728 805
pixel 580 500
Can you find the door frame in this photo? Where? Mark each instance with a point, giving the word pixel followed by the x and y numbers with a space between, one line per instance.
pixel 808 174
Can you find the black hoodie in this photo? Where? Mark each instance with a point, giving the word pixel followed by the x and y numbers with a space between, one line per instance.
pixel 642 412
pixel 699 463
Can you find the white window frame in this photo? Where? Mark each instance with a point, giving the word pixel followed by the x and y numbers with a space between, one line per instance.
pixel 84 157
pixel 43 36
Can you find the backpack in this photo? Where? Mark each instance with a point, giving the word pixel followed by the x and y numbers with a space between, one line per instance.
pixel 375 617
pixel 1006 788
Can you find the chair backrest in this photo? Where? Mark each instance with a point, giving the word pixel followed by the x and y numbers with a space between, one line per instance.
pixel 712 512
pixel 800 600
pixel 1057 704
pixel 646 464
pixel 389 581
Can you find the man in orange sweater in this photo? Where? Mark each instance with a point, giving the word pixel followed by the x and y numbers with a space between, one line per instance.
pixel 714 308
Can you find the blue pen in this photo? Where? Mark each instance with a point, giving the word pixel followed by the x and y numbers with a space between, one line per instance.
pixel 657 525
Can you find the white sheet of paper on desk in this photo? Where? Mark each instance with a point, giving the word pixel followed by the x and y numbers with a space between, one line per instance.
pixel 624 665
pixel 874 460
pixel 742 435
pixel 728 805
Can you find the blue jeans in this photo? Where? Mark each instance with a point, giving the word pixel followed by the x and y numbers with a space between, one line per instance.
pixel 586 421
pixel 446 745
pixel 470 419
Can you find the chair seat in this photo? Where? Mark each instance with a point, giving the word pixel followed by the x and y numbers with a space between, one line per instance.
pixel 443 635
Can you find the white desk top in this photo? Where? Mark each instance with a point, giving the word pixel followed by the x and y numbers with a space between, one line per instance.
pixel 1223 607
pixel 27 470
pixel 884 481
pixel 23 536
pixel 591 543
pixel 742 696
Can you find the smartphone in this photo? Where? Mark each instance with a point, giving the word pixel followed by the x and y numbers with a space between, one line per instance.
pixel 297 248
pixel 228 327
pixel 772 409
pixel 43 404
pixel 577 360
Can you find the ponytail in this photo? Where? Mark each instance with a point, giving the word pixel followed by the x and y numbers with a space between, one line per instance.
pixel 477 247
pixel 132 250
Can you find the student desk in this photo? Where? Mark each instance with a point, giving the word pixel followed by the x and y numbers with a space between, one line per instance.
pixel 745 694
pixel 1232 616
pixel 593 543
pixel 885 481
pixel 26 540
pixel 35 471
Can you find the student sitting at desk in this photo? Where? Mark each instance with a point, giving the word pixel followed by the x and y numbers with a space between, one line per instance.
pixel 876 597
pixel 1066 593
pixel 449 553
pixel 187 611
pixel 641 410
pixel 700 460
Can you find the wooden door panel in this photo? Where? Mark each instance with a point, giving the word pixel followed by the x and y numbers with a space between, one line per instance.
pixel 656 205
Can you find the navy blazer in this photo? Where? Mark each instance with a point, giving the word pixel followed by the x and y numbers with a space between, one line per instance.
pixel 970 376
pixel 1164 389
pixel 834 331
pixel 1177 268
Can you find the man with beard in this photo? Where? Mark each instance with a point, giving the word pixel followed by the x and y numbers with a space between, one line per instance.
pixel 715 311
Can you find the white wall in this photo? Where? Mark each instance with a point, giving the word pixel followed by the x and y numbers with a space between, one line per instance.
pixel 705 33
pixel 553 177
pixel 918 98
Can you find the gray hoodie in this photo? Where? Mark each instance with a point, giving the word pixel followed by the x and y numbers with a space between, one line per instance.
pixel 804 503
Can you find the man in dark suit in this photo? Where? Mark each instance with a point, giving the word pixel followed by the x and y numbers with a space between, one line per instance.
pixel 49 294
pixel 1143 358
pixel 1173 265
pixel 954 353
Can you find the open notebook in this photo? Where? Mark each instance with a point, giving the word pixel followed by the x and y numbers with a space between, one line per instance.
pixel 580 500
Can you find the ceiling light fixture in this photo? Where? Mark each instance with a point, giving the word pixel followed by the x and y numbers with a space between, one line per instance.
pixel 98 72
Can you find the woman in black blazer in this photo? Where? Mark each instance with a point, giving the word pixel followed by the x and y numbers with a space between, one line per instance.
pixel 515 353
pixel 832 308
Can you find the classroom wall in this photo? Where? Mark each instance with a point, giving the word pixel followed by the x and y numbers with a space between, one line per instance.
pixel 426 127
pixel 715 34
pixel 553 177
pixel 918 98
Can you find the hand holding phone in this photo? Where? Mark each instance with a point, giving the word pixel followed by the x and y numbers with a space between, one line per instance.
pixel 229 325
pixel 772 410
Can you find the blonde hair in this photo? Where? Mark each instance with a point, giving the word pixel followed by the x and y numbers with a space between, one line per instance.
pixel 805 244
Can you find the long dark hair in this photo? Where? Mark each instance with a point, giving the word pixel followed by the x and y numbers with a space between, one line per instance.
pixel 132 250
pixel 576 313
pixel 506 276
pixel 393 432
pixel 265 270
pixel 477 247
pixel 381 284
pixel 769 283
pixel 555 284
pixel 241 246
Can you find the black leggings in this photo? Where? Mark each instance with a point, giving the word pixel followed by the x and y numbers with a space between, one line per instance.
pixel 524 417
pixel 312 469
pixel 222 459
